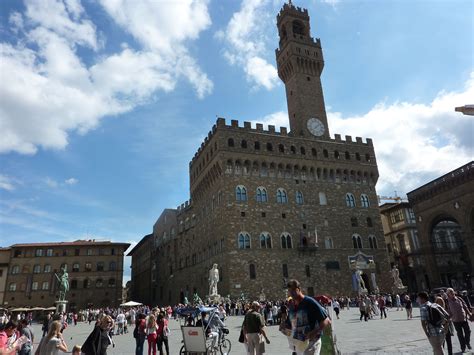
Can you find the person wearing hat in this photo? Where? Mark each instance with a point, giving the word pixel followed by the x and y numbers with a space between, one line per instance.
pixel 253 328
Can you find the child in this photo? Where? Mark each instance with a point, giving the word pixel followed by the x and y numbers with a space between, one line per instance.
pixel 76 350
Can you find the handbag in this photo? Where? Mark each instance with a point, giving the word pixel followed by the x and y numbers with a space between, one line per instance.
pixel 241 336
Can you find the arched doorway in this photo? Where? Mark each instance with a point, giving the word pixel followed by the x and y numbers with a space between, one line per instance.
pixel 450 252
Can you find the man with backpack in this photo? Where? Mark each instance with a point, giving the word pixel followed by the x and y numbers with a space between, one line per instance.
pixel 433 321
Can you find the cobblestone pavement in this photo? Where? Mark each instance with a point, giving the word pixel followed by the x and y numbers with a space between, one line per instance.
pixel 394 335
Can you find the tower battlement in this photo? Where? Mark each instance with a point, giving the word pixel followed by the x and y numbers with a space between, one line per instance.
pixel 290 9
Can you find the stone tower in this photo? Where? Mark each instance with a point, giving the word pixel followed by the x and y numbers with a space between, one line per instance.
pixel 300 64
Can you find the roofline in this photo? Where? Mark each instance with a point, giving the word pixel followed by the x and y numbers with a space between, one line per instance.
pixel 74 243
pixel 143 240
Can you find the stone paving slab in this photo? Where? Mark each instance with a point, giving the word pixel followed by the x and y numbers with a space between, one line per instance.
pixel 394 335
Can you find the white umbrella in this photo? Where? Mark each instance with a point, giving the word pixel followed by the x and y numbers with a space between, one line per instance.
pixel 131 304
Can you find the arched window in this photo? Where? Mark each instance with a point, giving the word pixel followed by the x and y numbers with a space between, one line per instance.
pixel 446 235
pixel 243 144
pixel 257 145
pixel 15 269
pixel 100 266
pixel 293 149
pixel 325 153
pixel 282 196
pixel 347 155
pixel 45 285
pixel 357 156
pixel 86 283
pixel 350 200
pixel 12 286
pixel 265 241
pixel 314 153
pixel 367 158
pixel 252 272
pixel 299 198
pixel 99 283
pixel 336 154
pixel 281 148
pixel 357 241
pixel 269 147
pixel 230 142
pixel 369 222
pixel 241 193
pixel 354 222
pixel 303 151
pixel 36 269
pixel 372 242
pixel 111 282
pixel 364 200
pixel 286 242
pixel 322 199
pixel 47 268
pixel 262 194
pixel 75 267
pixel 244 240
pixel 112 266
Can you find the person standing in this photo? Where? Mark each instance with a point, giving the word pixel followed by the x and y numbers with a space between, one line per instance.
pixel 152 335
pixel 408 307
pixel 28 333
pixel 382 307
pixel 397 301
pixel 363 314
pixel 53 342
pixel 307 319
pixel 253 328
pixel 99 339
pixel 449 328
pixel 434 333
pixel 336 306
pixel 460 313
pixel 139 333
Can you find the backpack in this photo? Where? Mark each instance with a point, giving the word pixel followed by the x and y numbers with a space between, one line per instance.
pixel 437 315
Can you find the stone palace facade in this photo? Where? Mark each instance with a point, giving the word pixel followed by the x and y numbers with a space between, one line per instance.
pixel 268 205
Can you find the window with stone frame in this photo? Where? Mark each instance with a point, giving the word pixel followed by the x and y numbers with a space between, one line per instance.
pixel 323 201
pixel 240 193
pixel 34 286
pixel 45 285
pixel 230 142
pixel 252 272
pixel 112 266
pixel 286 241
pixel 282 197
pixel 261 194
pixel 244 240
pixel 111 282
pixel 364 201
pixel 88 267
pixel 328 243
pixel 350 200
pixel 265 240
pixel 372 242
pixel 36 269
pixel 39 252
pixel 49 252
pixel 99 283
pixel 357 241
pixel 100 266
pixel 73 284
pixel 369 222
pixel 15 269
pixel 299 198
pixel 12 286
pixel 47 268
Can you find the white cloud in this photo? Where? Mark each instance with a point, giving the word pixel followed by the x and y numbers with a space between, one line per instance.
pixel 414 143
pixel 64 94
pixel 71 181
pixel 245 42
pixel 333 3
pixel 7 183
pixel 51 182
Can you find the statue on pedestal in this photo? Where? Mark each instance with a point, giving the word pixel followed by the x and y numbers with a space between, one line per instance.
pixel 213 280
pixel 360 282
pixel 397 281
pixel 63 281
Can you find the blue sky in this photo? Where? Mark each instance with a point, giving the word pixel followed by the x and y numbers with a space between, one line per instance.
pixel 103 103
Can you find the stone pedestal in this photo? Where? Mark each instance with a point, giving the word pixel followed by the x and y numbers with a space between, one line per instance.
pixel 399 290
pixel 60 307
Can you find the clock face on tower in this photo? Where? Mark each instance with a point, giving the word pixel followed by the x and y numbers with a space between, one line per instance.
pixel 315 126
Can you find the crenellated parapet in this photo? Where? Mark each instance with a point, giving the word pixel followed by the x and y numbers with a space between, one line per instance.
pixel 295 11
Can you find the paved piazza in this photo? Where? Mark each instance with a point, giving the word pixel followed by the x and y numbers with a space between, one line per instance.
pixel 394 335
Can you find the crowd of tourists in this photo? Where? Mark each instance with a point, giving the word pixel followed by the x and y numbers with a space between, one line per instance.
pixel 301 318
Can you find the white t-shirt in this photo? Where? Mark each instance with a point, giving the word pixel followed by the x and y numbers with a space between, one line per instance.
pixel 121 318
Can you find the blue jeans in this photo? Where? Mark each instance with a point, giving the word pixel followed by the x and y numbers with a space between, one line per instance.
pixel 139 348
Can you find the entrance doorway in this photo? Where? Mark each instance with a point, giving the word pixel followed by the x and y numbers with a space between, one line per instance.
pixel 368 286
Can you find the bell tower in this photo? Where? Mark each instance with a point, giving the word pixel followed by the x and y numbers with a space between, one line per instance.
pixel 300 64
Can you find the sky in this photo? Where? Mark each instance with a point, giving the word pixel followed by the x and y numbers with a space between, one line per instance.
pixel 104 103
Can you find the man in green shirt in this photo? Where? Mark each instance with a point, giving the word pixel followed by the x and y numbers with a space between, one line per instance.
pixel 253 328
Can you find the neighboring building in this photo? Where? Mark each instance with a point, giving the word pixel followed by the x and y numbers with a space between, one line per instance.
pixel 95 271
pixel 140 287
pixel 401 237
pixel 444 210
pixel 267 206
pixel 4 262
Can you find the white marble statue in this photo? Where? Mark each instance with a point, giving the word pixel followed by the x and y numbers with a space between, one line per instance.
pixel 213 280
pixel 397 281
pixel 360 281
